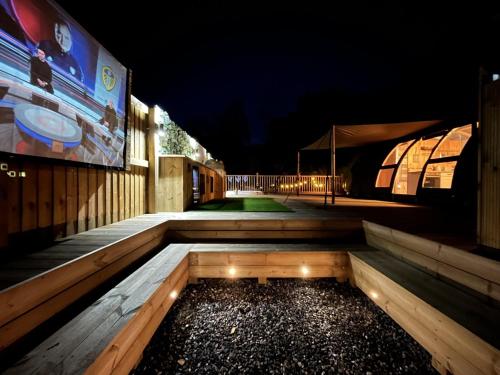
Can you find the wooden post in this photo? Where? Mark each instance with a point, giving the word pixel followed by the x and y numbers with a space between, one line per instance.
pixel 326 191
pixel 332 163
pixel 153 161
pixel 4 207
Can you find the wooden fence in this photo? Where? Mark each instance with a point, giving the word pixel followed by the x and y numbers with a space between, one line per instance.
pixel 54 200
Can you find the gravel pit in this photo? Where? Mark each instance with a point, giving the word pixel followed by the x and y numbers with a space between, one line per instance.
pixel 285 327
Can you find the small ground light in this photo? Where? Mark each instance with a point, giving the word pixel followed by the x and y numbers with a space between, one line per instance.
pixel 173 294
pixel 374 295
pixel 304 270
pixel 232 271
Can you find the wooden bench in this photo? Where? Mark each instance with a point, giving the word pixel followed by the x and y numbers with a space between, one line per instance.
pixel 435 293
pixel 110 336
pixel 27 304
pixel 263 261
pixel 305 229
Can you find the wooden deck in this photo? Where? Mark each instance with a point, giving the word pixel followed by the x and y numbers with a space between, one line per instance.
pixel 35 286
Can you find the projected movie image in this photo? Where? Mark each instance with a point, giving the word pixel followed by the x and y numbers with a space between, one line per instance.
pixel 62 95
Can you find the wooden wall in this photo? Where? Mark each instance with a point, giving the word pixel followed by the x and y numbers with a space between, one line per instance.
pixel 489 158
pixel 170 192
pixel 218 192
pixel 174 192
pixel 56 200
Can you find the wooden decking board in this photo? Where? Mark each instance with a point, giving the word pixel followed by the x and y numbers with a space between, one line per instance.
pixel 28 263
pixel 221 247
pixel 11 277
pixel 464 308
pixel 97 242
pixel 64 254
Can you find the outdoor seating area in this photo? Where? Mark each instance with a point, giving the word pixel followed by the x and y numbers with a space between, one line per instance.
pixel 110 335
pixel 247 188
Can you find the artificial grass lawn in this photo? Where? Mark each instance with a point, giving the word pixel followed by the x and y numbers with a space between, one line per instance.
pixel 244 204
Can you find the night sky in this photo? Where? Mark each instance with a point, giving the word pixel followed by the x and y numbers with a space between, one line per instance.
pixel 255 81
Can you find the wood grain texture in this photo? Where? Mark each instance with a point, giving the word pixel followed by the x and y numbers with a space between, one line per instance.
pixel 489 157
pixel 473 271
pixel 26 305
pixel 408 300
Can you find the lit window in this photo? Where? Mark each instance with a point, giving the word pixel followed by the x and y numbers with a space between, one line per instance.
pixel 396 153
pixel 384 178
pixel 439 175
pixel 410 168
pixel 453 143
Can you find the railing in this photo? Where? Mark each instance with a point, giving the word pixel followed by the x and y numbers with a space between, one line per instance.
pixel 283 184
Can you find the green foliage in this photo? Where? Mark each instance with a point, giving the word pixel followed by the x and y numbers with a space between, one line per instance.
pixel 175 141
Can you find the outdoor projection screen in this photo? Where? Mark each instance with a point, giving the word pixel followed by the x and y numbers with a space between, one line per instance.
pixel 62 95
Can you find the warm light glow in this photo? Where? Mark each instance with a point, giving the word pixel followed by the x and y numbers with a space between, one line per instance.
pixel 173 294
pixel 193 142
pixel 313 179
pixel 300 183
pixel 281 186
pixel 304 270
pixel 374 295
pixel 232 271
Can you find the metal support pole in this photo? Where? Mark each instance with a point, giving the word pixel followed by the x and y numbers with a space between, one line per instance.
pixel 332 163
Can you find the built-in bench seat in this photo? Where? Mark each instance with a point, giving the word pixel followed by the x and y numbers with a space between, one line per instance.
pixel 108 250
pixel 459 326
pixel 110 335
pixel 27 304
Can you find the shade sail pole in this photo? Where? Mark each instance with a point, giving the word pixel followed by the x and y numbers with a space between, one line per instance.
pixel 298 172
pixel 332 162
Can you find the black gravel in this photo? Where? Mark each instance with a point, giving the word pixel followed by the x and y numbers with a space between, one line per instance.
pixel 285 327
